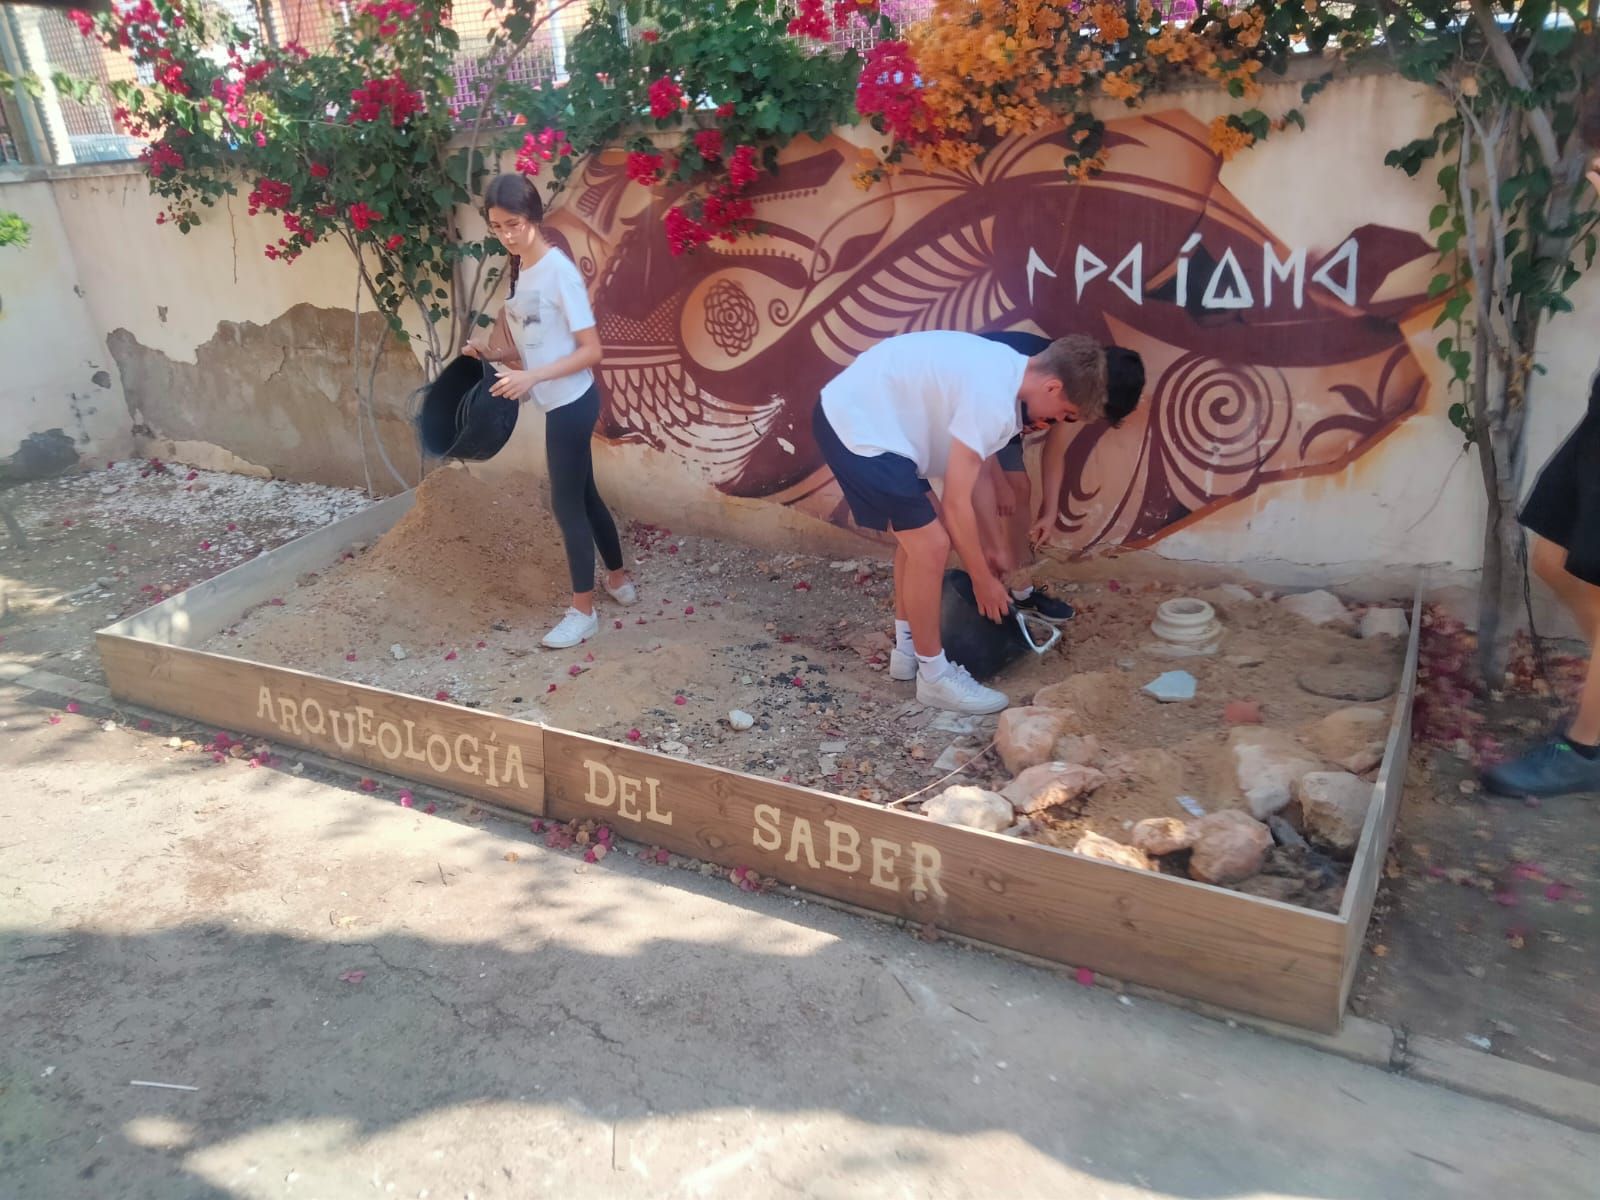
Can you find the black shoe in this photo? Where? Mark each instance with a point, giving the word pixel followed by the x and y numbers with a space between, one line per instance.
pixel 1046 607
pixel 1551 769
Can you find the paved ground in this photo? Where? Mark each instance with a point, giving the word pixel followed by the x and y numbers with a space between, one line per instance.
pixel 374 1001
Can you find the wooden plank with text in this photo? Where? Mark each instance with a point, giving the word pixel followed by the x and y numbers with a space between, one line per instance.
pixel 1238 951
pixel 490 757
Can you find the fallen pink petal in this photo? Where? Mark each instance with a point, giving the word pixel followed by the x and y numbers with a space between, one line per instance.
pixel 369 785
pixel 451 657
pixel 634 735
pixel 550 689
pixel 574 670
pixel 405 798
pixel 679 700
pixel 352 977
pixel 441 694
pixel 232 528
pixel 482 645
pixel 1114 586
pixel 54 719
pixel 1085 976
pixel 431 809
pixel 1558 891
pixel 350 657
pixel 589 855
pixel 205 545
pixel 1506 899
pixel 72 706
pixel 688 610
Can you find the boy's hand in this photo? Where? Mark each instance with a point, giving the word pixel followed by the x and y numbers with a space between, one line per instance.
pixel 994 601
pixel 1042 529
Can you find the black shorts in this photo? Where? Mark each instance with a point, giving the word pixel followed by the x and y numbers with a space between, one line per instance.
pixel 1010 455
pixel 1564 506
pixel 883 491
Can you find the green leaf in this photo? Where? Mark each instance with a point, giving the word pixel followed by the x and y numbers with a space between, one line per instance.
pixel 1439 284
pixel 1440 214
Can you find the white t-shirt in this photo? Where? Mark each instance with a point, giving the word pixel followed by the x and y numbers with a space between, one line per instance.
pixel 549 307
pixel 912 395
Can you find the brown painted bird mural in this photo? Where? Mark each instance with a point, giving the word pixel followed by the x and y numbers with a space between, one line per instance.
pixel 1265 360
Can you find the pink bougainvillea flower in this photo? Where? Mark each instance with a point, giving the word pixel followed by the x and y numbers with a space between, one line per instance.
pixel 724 111
pixel 363 215
pixel 217 756
pixel 680 700
pixel 232 527
pixel 1084 976
pixel 798 682
pixel 72 706
pixel 589 855
pixel 319 170
pixel 709 143
pixel 369 785
pixel 802 586
pixel 664 98
pixel 616 624
pixel 588 658
pixel 574 670
pixel 688 610
pixel 405 798
pixel 648 35
pixel 54 719
pixel 205 545
pixel 634 735
pixel 441 694
pixel 192 476
pixel 350 657
pixel 451 657
pixel 550 689
pixel 352 977
pixel 673 549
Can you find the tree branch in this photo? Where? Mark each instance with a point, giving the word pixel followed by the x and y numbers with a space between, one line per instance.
pixel 1506 59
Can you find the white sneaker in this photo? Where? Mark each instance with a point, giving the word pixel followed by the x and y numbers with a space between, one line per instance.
pixel 902 666
pixel 958 691
pixel 625 595
pixel 575 629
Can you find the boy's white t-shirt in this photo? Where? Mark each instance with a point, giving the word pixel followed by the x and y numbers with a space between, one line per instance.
pixel 912 395
pixel 549 307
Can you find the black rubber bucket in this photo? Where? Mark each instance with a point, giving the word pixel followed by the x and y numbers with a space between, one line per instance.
pixel 985 647
pixel 460 419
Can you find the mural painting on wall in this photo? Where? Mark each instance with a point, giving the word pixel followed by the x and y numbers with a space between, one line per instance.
pixel 1265 360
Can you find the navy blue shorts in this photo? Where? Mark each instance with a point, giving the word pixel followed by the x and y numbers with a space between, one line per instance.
pixel 883 491
pixel 1010 455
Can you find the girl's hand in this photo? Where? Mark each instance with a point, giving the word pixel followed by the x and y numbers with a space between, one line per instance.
pixel 515 385
pixel 472 350
pixel 1594 175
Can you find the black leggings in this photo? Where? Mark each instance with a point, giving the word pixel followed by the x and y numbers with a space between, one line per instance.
pixel 584 519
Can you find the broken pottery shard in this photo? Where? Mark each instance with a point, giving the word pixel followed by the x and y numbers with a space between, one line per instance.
pixel 1026 736
pixel 1162 835
pixel 955 755
pixel 1267 763
pixel 1384 622
pixel 1092 845
pixel 1191 806
pixel 1242 712
pixel 1342 681
pixel 1046 785
pixel 1229 847
pixel 398 651
pixel 1172 687
pixel 740 719
pixel 1319 607
pixel 973 807
pixel 1335 807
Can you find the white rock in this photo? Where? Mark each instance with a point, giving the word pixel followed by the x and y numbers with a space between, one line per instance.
pixel 1267 764
pixel 1384 622
pixel 1235 591
pixel 676 749
pixel 1046 785
pixel 971 806
pixel 848 564
pixel 949 722
pixel 1335 807
pixel 1319 607
pixel 1026 735
pixel 740 719
pixel 1092 845
pixel 833 747
pixel 398 651
pixel 1163 835
pixel 827 764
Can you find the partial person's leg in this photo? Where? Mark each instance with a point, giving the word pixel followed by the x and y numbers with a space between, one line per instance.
pixel 567 453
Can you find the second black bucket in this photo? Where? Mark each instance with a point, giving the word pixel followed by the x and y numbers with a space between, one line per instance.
pixel 460 419
pixel 985 647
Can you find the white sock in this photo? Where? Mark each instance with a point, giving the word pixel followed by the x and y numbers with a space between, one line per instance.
pixel 902 637
pixel 1022 593
pixel 933 666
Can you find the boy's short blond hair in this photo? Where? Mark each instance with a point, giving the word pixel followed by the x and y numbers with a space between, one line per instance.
pixel 1080 364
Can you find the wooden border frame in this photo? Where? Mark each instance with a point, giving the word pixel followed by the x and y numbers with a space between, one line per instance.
pixel 1225 948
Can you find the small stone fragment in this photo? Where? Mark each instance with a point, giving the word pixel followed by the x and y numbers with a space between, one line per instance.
pixel 1092 845
pixel 1080 748
pixel 1352 737
pixel 398 651
pixel 1242 712
pixel 1162 835
pixel 974 807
